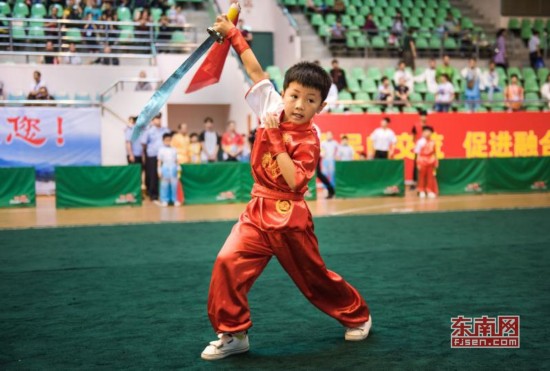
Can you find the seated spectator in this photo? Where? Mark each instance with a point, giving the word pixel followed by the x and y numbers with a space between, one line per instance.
pixel 93 9
pixel 545 90
pixel 446 69
pixel 428 76
pixel 90 32
pixel 107 31
pixel 472 72
pixel 72 59
pixel 141 31
pixel 144 15
pixel 472 96
pixel 338 76
pixel 176 15
pixel 445 94
pixel 107 9
pixel 51 27
pixel 245 31
pixel 338 32
pixel 311 7
pixel 36 84
pixel 402 93
pixel 345 152
pixel 106 61
pixel 489 81
pixel 385 92
pixel 535 54
pixel 370 25
pixel 403 73
pixel 232 143
pixel 143 85
pixel 339 7
pixel 398 25
pixel 50 59
pixel 72 12
pixel 165 30
pixel 451 25
pixel 514 94
pixel 42 94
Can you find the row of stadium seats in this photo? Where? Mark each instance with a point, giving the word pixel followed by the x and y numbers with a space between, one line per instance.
pixel 409 4
pixel 79 96
pixel 525 27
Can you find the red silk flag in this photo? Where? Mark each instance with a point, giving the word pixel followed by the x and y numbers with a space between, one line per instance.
pixel 211 68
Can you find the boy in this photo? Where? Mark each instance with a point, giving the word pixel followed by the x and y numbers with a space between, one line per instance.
pixel 445 94
pixel 195 149
pixel 345 151
pixel 277 220
pixel 168 170
pixel 427 163
pixel 385 92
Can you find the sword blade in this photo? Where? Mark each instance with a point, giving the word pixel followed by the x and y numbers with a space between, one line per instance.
pixel 159 98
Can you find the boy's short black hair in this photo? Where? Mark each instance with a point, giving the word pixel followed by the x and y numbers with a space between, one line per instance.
pixel 384 78
pixel 387 119
pixel 344 137
pixel 309 75
pixel 193 135
pixel 208 119
pixel 514 75
pixel 166 135
pixel 158 115
pixel 428 127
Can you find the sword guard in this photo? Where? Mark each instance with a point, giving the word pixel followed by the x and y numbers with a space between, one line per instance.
pixel 218 37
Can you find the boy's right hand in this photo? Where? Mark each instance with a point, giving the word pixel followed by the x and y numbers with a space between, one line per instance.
pixel 223 25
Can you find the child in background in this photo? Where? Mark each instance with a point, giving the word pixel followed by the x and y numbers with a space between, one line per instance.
pixel 427 163
pixel 345 151
pixel 168 170
pixel 329 147
pixel 195 149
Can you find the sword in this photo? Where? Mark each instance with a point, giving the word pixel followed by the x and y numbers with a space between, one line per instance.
pixel 160 97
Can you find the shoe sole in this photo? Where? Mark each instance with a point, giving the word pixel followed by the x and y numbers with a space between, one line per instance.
pixel 355 338
pixel 215 357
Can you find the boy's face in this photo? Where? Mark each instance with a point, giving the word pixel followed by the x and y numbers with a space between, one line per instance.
pixel 344 141
pixel 166 141
pixel 301 103
pixel 427 134
pixel 194 139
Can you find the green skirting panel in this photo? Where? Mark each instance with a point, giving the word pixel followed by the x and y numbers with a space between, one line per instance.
pixel 369 178
pixel 527 174
pixel 222 182
pixel 97 186
pixel 17 187
pixel 461 176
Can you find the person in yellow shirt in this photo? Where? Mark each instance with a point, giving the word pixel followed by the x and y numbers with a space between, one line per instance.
pixel 181 142
pixel 195 150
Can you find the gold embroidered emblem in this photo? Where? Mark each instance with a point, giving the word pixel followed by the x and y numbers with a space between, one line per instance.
pixel 283 206
pixel 270 166
pixel 287 138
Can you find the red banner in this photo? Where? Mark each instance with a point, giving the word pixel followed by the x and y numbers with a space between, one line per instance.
pixel 458 135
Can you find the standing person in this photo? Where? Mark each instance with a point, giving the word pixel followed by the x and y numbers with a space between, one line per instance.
pixel 134 149
pixel 168 172
pixel 329 147
pixel 534 49
pixel 345 152
pixel 181 142
pixel 152 141
pixel 428 76
pixel 427 163
pixel 417 134
pixel 445 94
pixel 319 171
pixel 232 143
pixel 245 31
pixel 501 57
pixel 383 140
pixel 545 90
pixel 409 49
pixel 50 58
pixel 277 221
pixel 471 72
pixel 472 96
pixel 513 94
pixel 445 69
pixel 338 76
pixel 210 141
pixel 402 94
pixel 490 81
pixel 403 73
pixel 195 149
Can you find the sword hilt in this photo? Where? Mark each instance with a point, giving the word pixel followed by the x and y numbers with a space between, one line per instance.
pixel 232 15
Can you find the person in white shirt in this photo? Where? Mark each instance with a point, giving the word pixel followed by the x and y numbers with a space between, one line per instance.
pixel 210 141
pixel 345 152
pixel 383 140
pixel 490 80
pixel 402 73
pixel 36 85
pixel 428 76
pixel 534 49
pixel 385 92
pixel 332 98
pixel 472 72
pixel 72 59
pixel 329 147
pixel 445 94
pixel 545 90
pixel 168 170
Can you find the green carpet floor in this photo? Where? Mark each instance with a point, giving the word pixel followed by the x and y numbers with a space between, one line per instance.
pixel 134 297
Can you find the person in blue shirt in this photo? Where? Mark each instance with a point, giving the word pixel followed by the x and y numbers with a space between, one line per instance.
pixel 472 96
pixel 152 142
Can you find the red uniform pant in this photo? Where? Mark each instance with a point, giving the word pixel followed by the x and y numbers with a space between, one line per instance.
pixel 426 179
pixel 242 259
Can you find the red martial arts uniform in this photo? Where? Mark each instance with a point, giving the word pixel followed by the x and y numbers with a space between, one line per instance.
pixel 277 222
pixel 427 163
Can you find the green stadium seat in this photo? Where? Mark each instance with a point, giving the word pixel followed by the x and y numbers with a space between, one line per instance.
pixel 532 99
pixel 374 110
pixel 290 2
pixel 427 23
pixel 414 22
pixel 20 10
pixel 378 12
pixel 352 11
pixel 330 19
pixel 346 21
pixel 36 21
pixel 356 109
pixel 420 87
pixel 417 12
pixel 365 97
pixel 273 71
pixel 422 43
pixel 526 33
pixel 369 86
pixel 515 71
pixel 513 24
pixel 38 10
pixel 374 73
pixel 359 20
pixel 392 110
pixel 435 43
pixel 344 95
pixel 362 41
pixel 532 109
pixel 378 42
pixel 18 33
pixel 394 3
pixel 4 8
pixel 525 22
pixel 382 3
pixel 531 85
pixel 353 85
pixel 124 14
pixel 420 4
pixel 350 42
pixel 156 13
pixel 429 12
pixel 407 4
pixel 356 3
pixel 127 35
pixel 456 13
pixel 62 96
pixel 73 35
pixel 450 44
pixel 542 74
pixel 528 72
pixel 17 96
pixel 317 20
pixel 389 72
pixel 364 11
pixel 324 31
pixel 358 73
pixel 329 3
pixel 390 12
pixel 178 37
pixel 467 23
pixel 410 110
pixel 36 33
pixel 446 4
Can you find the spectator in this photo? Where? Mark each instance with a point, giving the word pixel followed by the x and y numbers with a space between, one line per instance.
pixel 514 94
pixel 72 12
pixel 90 32
pixel 332 98
pixel 106 61
pixel 311 7
pixel 409 49
pixel 428 76
pixel 42 94
pixel 195 149
pixel 107 9
pixel 427 163
pixel 1 90
pixel 534 50
pixel 143 85
pixel 416 131
pixel 176 15
pixel 93 9
pixel 383 140
pixel 210 141
pixel 152 142
pixel 451 25
pixel 165 30
pixel 144 15
pixel 329 147
pixel 385 92
pixel 489 81
pixel 398 26
pixel 339 7
pixel 445 69
pixel 245 31
pixel 403 73
pixel 232 143
pixel 445 94
pixel 168 172
pixel 345 151
pixel 51 58
pixel 72 59
pixel 181 142
pixel 402 93
pixel 472 96
pixel 107 31
pixel 338 32
pixel 141 31
pixel 134 149
pixel 51 28
pixel 370 25
pixel 501 57
pixel 338 76
pixel 472 72
pixel 545 90
pixel 36 85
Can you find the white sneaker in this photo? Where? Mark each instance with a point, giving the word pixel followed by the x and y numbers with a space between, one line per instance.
pixel 227 345
pixel 431 195
pixel 422 194
pixel 359 333
pixel 177 204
